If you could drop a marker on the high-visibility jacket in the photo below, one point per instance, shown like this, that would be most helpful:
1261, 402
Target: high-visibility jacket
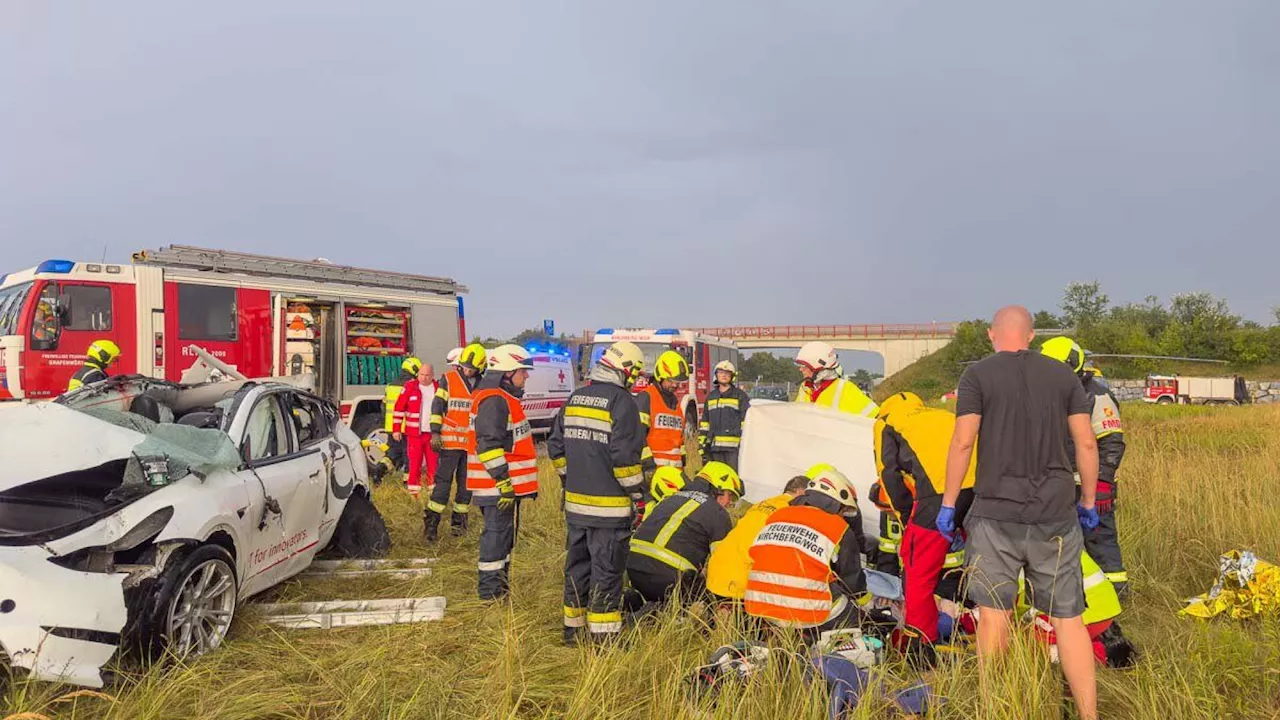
791, 567
682, 529
503, 445
409, 407
721, 426
664, 445
1102, 603
730, 561
595, 445
88, 374
391, 416
1107, 428
451, 410
911, 455
840, 394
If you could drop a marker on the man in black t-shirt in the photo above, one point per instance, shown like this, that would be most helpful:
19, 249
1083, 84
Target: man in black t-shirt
1025, 406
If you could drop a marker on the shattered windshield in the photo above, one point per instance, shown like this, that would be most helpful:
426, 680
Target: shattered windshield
11, 300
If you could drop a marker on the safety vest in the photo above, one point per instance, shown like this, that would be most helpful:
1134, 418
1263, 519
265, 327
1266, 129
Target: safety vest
790, 578
455, 427
730, 562
840, 394
391, 418
666, 431
657, 547
521, 459
88, 374
1100, 598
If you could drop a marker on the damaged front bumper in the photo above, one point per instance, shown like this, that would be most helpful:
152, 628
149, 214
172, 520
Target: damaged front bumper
59, 624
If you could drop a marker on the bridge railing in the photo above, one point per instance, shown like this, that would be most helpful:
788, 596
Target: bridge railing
831, 332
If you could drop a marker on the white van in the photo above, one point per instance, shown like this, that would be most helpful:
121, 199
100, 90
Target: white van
549, 386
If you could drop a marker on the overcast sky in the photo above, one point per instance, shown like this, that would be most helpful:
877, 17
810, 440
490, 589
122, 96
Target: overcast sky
663, 163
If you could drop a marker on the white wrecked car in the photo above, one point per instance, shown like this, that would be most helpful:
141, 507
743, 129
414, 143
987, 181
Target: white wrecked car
140, 513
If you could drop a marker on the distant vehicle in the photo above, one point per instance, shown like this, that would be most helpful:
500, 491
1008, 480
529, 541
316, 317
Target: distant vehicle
1182, 390
549, 385
702, 352
769, 393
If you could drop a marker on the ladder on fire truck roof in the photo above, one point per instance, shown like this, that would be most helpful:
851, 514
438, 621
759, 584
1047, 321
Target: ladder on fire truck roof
194, 258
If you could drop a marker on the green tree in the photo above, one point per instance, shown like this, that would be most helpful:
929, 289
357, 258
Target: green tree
864, 377
1045, 320
767, 367
1084, 304
1275, 313
1201, 325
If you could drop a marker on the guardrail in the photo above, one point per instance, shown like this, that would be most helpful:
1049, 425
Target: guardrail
831, 332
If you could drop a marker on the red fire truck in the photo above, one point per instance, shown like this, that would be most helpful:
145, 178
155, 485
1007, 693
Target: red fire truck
702, 352
265, 316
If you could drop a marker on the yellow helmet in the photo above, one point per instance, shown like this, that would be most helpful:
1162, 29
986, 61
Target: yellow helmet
666, 481
474, 357
834, 484
626, 358
1064, 349
671, 366
899, 402
104, 352
411, 365
722, 477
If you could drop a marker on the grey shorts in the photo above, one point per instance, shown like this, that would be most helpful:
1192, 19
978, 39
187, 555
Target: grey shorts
1049, 557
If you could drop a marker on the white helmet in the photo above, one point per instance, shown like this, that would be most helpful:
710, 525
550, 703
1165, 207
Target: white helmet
727, 367
626, 358
834, 484
818, 356
508, 358
452, 357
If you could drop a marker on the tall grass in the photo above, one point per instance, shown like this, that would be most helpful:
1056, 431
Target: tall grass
1196, 482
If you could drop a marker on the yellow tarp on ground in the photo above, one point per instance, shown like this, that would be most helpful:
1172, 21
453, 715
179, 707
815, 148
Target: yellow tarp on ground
1247, 587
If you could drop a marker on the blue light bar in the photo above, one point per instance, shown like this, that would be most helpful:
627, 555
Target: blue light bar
55, 266
666, 331
605, 331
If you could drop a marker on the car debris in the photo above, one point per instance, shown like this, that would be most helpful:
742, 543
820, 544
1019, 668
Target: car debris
351, 613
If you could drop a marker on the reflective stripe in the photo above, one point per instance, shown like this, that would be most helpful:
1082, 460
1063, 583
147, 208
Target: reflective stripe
586, 412
609, 622
597, 510
598, 500
673, 523
888, 546
495, 463
646, 453
644, 419
626, 471
870, 410
722, 403
661, 554
488, 455
437, 420
1094, 580
727, 441
667, 462
435, 507
1117, 577
588, 423
789, 581
575, 617
559, 462
786, 602
495, 565
954, 559
519, 465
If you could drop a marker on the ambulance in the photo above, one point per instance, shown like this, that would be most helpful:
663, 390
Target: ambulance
550, 384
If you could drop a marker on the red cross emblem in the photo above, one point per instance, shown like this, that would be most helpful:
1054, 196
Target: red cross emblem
561, 376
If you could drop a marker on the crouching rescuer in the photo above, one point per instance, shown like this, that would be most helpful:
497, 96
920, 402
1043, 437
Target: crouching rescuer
503, 470
451, 435
595, 445
670, 548
806, 566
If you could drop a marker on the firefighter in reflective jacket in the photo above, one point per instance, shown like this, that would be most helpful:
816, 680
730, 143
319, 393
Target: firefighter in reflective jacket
806, 567
1102, 542
595, 445
101, 355
394, 456
911, 445
502, 469
824, 384
670, 548
720, 432
661, 416
451, 436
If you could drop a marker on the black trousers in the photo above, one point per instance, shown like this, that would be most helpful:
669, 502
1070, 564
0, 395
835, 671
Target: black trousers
397, 454
497, 539
657, 582
726, 456
451, 470
594, 563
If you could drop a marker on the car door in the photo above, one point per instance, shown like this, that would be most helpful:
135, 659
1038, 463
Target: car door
313, 422
282, 479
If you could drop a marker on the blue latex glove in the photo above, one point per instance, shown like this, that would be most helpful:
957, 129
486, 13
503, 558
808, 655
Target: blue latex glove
1088, 517
946, 522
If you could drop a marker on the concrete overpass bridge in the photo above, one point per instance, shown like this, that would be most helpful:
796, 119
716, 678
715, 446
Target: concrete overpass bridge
899, 345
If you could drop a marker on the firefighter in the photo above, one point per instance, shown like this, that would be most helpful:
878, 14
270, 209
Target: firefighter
503, 469
412, 408
729, 562
394, 456
666, 481
824, 383
101, 355
595, 445
806, 566
911, 446
450, 438
44, 327
670, 548
720, 432
660, 414
1102, 542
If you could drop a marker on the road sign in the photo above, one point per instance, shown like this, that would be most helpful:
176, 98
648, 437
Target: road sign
549, 327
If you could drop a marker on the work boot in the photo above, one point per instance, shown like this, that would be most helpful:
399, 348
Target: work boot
458, 524
573, 636
430, 524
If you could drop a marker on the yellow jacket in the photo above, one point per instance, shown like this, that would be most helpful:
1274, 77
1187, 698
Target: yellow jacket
729, 563
842, 395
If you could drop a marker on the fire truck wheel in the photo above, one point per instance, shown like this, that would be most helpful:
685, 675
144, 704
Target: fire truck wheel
1166, 400
361, 531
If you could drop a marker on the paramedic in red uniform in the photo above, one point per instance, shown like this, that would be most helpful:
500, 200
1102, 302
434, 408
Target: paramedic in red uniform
413, 409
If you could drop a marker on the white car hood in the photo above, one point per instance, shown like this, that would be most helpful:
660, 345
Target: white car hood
41, 440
